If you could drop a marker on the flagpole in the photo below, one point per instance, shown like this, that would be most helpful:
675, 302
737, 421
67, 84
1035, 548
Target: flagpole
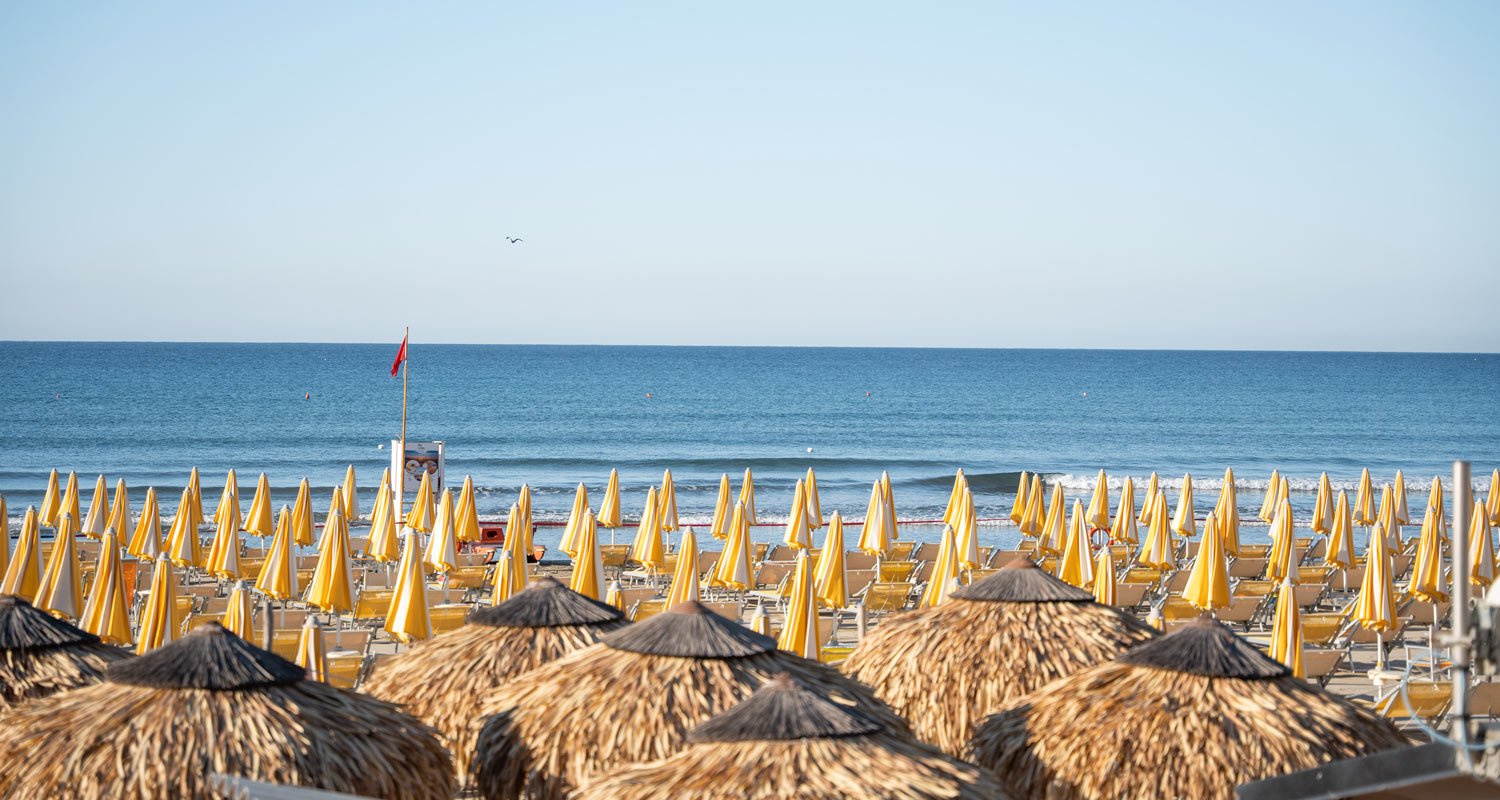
401, 480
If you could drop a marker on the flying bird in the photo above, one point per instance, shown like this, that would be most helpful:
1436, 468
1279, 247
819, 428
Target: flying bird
512, 239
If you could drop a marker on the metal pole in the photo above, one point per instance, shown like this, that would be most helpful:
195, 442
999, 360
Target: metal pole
1458, 541
266, 624
401, 457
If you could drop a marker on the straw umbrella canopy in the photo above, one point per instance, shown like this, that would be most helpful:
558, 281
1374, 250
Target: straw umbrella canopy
1427, 573
1341, 539
723, 508
832, 579
788, 740
666, 502
1208, 584
312, 651
278, 575
106, 613
466, 516
1227, 511
630, 698
1481, 549
1364, 511
588, 562
647, 548
1158, 550
95, 522
441, 555
1097, 516
1034, 519
163, 723
259, 521
237, 614
1192, 714
609, 510
814, 504
1322, 515
747, 496
1282, 562
423, 507
1124, 531
158, 617
351, 495
1286, 632
439, 681
1104, 578
798, 531
1054, 530
61, 590
407, 618
999, 638
1153, 488
733, 567
41, 655
1077, 566
145, 542
23, 575
1018, 508
331, 587
569, 543
685, 576
185, 548
302, 515
873, 538
51, 502
799, 630
383, 544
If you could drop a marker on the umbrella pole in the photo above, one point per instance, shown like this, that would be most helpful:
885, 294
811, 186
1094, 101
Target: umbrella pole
1379, 650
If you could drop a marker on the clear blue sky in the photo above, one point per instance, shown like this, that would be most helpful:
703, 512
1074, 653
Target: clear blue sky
1271, 175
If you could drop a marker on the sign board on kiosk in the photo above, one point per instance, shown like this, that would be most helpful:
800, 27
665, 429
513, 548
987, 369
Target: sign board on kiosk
407, 468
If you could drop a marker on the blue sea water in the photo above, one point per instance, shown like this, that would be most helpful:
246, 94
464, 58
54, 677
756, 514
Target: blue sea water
554, 416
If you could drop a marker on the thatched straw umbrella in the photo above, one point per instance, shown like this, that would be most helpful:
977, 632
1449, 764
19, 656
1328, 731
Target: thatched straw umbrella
632, 697
41, 655
210, 702
946, 667
789, 741
1187, 715
440, 680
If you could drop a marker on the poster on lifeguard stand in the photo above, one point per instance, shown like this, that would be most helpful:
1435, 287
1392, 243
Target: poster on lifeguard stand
419, 458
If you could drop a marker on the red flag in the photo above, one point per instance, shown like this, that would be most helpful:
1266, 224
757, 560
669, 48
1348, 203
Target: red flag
400, 357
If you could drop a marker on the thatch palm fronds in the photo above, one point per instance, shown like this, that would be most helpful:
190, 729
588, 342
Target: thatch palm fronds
441, 680
946, 667
632, 698
163, 723
41, 655
1192, 714
789, 741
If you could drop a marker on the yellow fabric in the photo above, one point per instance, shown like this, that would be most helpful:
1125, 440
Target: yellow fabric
1427, 573
145, 542
259, 520
523, 504
1208, 584
71, 501
466, 516
185, 548
685, 577
302, 516
1270, 504
1035, 519
1054, 529
106, 614
407, 618
950, 511
278, 575
5, 539
888, 497
1282, 562
383, 544
441, 555
747, 497
1435, 504
945, 571
1184, 521
237, 614
1227, 511
588, 563
1018, 508
224, 552
61, 590
158, 615
1481, 549
312, 653
51, 502
798, 532
719, 527
609, 510
1364, 510
733, 568
332, 584
872, 537
229, 501
1322, 515
1077, 566
799, 634
1286, 633
760, 622
647, 547
504, 584
1098, 513
814, 504
1386, 516
23, 575
195, 485
1341, 540
833, 587
570, 540
1158, 550
966, 532
351, 496
119, 510
1402, 515
335, 506
666, 503
95, 522
1104, 575
514, 544
423, 508
1124, 531
1153, 488
1492, 501
1374, 607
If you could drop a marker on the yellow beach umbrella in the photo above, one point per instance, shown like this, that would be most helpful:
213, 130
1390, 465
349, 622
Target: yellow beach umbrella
966, 533
1035, 519
685, 576
1158, 550
814, 503
97, 520
145, 542
798, 533
588, 562
609, 510
61, 590
1374, 608
1286, 633
1402, 515
1282, 563
23, 575
237, 612
1077, 565
383, 545
441, 555
1153, 488
1427, 572
183, 547
466, 517
1322, 517
889, 498
229, 500
1481, 549
1104, 577
423, 510
159, 615
71, 501
1018, 508
873, 537
944, 572
1124, 530
719, 527
760, 622
1097, 516
1227, 511
259, 521
747, 497
647, 548
1386, 516
523, 504
224, 552
332, 586
1208, 584
1054, 530
1341, 540
106, 613
1185, 522
1435, 505
1364, 501
503, 586
800, 633
1492, 501
302, 516
278, 575
407, 618
666, 502
613, 596
51, 502
1272, 502
514, 545
950, 512
335, 506
832, 579
351, 496
733, 568
312, 653
570, 540
195, 485
119, 510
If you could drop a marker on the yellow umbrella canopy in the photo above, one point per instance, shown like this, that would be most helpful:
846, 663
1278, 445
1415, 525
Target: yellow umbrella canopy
441, 555
1054, 530
383, 544
788, 740
760, 622
278, 575
966, 533
950, 512
614, 596
1364, 511
569, 543
1341, 540
1227, 512
999, 638
351, 496
1185, 522
51, 502
439, 681
61, 590
814, 504
119, 509
145, 542
799, 633
666, 502
1104, 578
259, 521
888, 497
41, 655
798, 532
407, 617
1208, 584
514, 544
873, 536
944, 573
423, 508
1286, 632
1077, 566
1322, 516
1491, 502
332, 586
588, 561
1386, 516
1398, 498
647, 548
23, 575
1481, 549
237, 613
302, 516
1427, 573
609, 510
158, 616
106, 613
312, 652
1282, 562
719, 527
503, 583
628, 699
523, 503
1192, 714
1435, 505
1035, 519
335, 506
229, 501
71, 501
832, 580
184, 548
466, 517
747, 496
1270, 504
1374, 607
195, 484
1018, 508
211, 703
1124, 531
733, 567
96, 521
1098, 513
685, 576
224, 553
1158, 550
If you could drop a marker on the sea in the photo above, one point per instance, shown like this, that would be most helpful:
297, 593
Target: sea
552, 417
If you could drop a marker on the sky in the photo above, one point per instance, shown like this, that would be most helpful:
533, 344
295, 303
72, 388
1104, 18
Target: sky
1275, 175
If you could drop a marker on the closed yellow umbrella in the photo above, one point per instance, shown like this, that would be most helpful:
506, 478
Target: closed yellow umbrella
441, 555
872, 537
71, 502
51, 502
332, 585
119, 510
195, 485
570, 537
503, 586
1104, 577
259, 521
1481, 549
814, 503
1185, 522
685, 576
523, 504
723, 510
1018, 508
185, 549
351, 496
466, 517
889, 498
1153, 488
798, 533
1159, 550
1374, 608
1322, 516
614, 596
1271, 503
302, 516
733, 568
1054, 530
1097, 516
747, 497
423, 510
666, 503
1035, 519
23, 575
237, 612
1286, 633
1208, 584
1402, 515
1364, 501
647, 548
1492, 501
944, 573
278, 575
61, 591
1282, 563
1124, 531
966, 533
335, 506
312, 653
229, 500
955, 497
224, 552
1227, 511
407, 618
383, 544
609, 510
1341, 540
97, 520
1435, 505
159, 615
1077, 566
1386, 516
1427, 573
514, 544
145, 542
588, 562
106, 614
833, 585
799, 633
